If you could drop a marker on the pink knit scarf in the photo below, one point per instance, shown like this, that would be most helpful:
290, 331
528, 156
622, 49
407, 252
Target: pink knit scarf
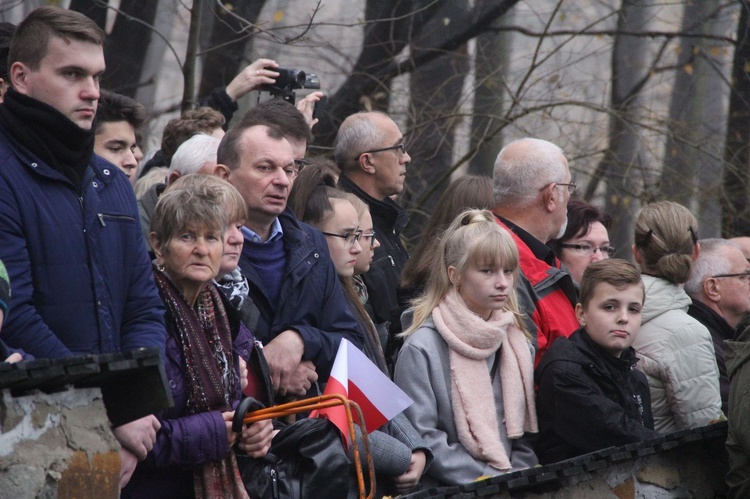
471, 341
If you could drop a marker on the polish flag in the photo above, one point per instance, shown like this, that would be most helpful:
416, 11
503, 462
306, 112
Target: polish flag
356, 377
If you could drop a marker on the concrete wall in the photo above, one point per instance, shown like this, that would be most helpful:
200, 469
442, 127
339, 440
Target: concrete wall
57, 445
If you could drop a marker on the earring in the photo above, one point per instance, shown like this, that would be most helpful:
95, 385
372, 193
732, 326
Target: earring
160, 267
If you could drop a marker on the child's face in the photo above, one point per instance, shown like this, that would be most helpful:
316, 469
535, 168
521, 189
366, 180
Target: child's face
612, 317
483, 289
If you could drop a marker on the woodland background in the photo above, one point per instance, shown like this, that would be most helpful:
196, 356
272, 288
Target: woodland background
649, 99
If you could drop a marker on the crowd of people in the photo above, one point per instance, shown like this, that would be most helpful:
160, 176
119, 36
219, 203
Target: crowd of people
519, 337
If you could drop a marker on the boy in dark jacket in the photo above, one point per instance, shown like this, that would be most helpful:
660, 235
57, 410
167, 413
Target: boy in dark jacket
590, 394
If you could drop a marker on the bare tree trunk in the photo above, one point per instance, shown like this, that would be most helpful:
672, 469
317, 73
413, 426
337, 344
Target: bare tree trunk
693, 159
623, 162
386, 35
152, 57
125, 44
376, 66
435, 95
734, 202
224, 56
188, 67
493, 51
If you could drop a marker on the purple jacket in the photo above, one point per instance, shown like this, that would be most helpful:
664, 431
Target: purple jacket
184, 442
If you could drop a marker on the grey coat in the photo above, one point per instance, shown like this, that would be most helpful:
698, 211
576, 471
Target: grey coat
423, 372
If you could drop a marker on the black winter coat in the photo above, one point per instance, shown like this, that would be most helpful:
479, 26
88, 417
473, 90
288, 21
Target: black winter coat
388, 219
589, 400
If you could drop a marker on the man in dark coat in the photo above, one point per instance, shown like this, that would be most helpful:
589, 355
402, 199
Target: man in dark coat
292, 280
719, 285
369, 149
590, 394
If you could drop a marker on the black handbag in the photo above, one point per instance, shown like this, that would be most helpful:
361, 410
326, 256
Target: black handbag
306, 460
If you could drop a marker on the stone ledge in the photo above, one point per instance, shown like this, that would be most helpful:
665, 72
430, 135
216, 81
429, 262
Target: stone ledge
631, 463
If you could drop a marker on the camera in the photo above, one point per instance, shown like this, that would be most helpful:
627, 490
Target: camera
288, 81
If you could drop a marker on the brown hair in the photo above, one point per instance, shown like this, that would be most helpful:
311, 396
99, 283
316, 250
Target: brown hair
469, 191
613, 271
311, 194
279, 114
31, 40
203, 200
178, 130
230, 151
665, 236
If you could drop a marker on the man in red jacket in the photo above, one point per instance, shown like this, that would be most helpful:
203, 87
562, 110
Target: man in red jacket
532, 185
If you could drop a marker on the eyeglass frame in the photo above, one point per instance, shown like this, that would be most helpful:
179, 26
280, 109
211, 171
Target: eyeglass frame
572, 186
371, 235
610, 250
400, 146
738, 275
357, 235
301, 163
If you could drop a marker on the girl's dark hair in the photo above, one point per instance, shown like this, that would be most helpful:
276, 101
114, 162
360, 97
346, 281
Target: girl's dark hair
311, 194
467, 192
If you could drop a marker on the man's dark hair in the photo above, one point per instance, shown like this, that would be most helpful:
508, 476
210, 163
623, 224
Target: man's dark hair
31, 39
230, 148
178, 130
116, 107
6, 36
279, 114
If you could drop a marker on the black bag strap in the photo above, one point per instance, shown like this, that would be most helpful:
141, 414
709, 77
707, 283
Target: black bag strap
259, 365
247, 404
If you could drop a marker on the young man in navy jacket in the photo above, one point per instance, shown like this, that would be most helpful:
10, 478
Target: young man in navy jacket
69, 233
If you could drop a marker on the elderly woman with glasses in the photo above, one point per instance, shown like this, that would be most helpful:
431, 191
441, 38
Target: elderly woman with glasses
192, 456
586, 238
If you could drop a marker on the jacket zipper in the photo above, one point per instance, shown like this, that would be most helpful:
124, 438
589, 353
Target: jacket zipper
102, 216
274, 483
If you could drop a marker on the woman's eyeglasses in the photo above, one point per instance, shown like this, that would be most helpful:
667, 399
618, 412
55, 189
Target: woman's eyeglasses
371, 236
349, 237
588, 249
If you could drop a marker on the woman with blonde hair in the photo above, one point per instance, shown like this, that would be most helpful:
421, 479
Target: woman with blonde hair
675, 350
466, 349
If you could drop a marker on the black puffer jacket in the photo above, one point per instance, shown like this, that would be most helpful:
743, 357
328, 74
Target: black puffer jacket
589, 400
388, 219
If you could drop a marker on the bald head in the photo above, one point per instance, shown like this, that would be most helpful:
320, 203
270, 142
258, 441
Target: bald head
744, 244
525, 166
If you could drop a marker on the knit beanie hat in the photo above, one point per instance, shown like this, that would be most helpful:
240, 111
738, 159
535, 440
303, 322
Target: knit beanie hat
4, 290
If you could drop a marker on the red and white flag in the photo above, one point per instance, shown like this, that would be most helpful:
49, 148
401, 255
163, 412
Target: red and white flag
356, 377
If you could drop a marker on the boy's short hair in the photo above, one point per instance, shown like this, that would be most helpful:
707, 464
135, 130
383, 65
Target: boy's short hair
613, 271
115, 107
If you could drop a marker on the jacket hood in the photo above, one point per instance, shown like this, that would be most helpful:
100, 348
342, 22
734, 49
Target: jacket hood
663, 296
737, 352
